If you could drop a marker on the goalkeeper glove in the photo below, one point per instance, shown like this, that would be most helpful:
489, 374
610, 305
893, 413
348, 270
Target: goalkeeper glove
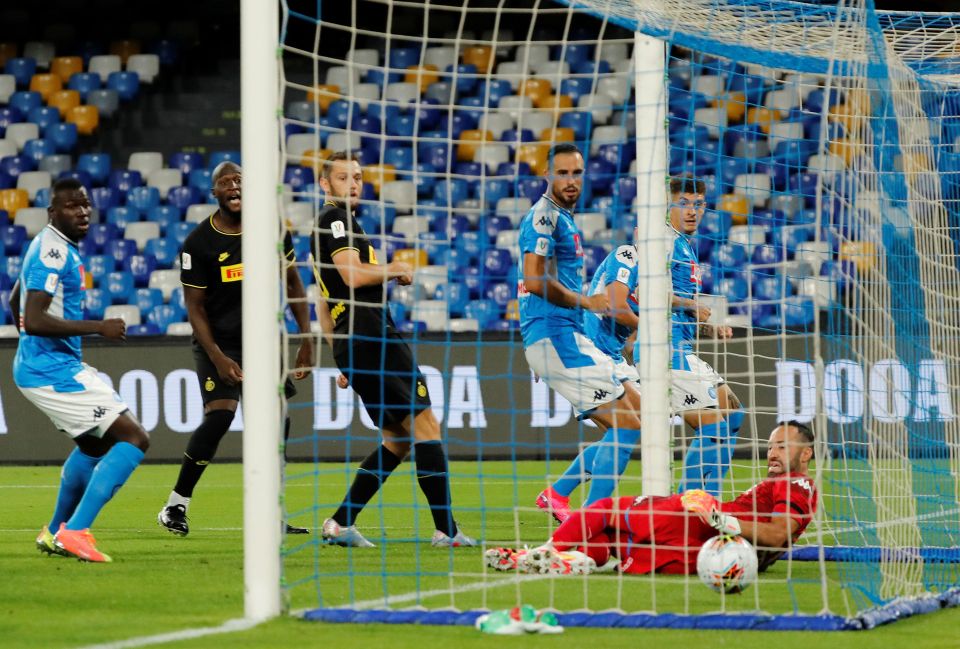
704, 505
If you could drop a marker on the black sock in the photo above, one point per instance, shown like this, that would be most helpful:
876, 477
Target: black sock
435, 484
373, 472
201, 448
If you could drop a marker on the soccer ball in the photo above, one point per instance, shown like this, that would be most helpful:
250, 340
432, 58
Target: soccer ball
727, 564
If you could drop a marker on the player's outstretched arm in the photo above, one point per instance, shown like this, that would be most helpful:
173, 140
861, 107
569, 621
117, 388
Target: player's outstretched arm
227, 368
298, 304
539, 283
38, 321
356, 274
773, 535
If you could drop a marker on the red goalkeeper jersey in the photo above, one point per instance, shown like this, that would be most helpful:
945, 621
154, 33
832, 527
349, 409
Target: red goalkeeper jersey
656, 533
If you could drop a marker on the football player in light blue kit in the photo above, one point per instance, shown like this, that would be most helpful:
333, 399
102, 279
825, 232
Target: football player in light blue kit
48, 305
551, 324
699, 394
615, 277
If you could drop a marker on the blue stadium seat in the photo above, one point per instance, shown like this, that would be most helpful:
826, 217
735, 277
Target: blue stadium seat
84, 83
580, 121
44, 116
792, 236
715, 225
765, 255
456, 225
753, 86
842, 272
42, 197
593, 256
99, 266
474, 280
503, 325
95, 164
167, 51
370, 225
771, 288
729, 256
298, 177
434, 244
222, 156
101, 234
186, 161
412, 328
533, 187
163, 315
497, 89
200, 180
143, 329
496, 262
455, 260
13, 265
183, 197
103, 198
573, 52
121, 215
619, 156
601, 175
5, 316
483, 311
143, 199
120, 249
591, 68
123, 180
500, 293
81, 177
63, 136
493, 190
165, 215
145, 299
425, 179
514, 169
398, 312
684, 103
799, 312
37, 150
25, 101
460, 122
762, 316
450, 192
140, 267
401, 157
383, 212
403, 57
22, 69
494, 225
126, 84
706, 278
456, 295
9, 115
95, 302
15, 165
176, 299
87, 248
515, 137
119, 287
574, 87
164, 250
403, 125
13, 237
733, 286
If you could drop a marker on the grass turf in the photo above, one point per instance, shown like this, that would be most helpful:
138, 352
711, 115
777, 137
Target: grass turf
160, 583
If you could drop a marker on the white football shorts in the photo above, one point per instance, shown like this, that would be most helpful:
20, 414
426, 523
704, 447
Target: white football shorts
695, 386
573, 366
91, 410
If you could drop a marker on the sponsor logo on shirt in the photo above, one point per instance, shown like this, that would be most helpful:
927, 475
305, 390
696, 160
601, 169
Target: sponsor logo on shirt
803, 483
99, 412
232, 273
690, 400
599, 394
337, 311
223, 255
53, 253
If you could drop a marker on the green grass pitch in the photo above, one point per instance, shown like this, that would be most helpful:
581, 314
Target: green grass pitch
159, 583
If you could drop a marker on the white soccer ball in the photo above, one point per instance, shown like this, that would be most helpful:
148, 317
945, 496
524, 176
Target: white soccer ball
727, 564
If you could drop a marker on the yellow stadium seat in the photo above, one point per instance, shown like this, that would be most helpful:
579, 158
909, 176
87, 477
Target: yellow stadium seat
12, 200
513, 310
7, 51
469, 143
314, 160
863, 254
324, 95
536, 89
848, 150
87, 118
480, 56
535, 155
735, 103
64, 100
737, 205
415, 258
555, 103
376, 175
66, 66
87, 280
559, 134
422, 75
763, 117
45, 84
125, 49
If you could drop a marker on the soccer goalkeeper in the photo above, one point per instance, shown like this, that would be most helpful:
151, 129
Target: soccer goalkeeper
664, 533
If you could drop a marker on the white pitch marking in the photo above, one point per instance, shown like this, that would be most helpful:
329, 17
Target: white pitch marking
230, 626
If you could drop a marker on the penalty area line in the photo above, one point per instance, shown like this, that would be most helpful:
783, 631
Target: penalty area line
230, 626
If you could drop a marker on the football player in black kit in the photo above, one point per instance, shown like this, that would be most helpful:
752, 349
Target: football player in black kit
375, 360
211, 271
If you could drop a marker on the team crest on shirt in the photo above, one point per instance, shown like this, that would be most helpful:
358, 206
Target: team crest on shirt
209, 385
421, 389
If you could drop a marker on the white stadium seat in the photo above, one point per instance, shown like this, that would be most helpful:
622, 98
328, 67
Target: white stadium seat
431, 312
403, 194
141, 232
513, 208
32, 181
492, 155
199, 212
166, 281
411, 227
165, 180
496, 123
147, 66
129, 313
104, 65
754, 186
715, 119
145, 162
22, 132
748, 236
32, 218
590, 223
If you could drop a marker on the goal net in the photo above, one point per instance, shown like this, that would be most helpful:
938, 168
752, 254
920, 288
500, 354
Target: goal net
828, 139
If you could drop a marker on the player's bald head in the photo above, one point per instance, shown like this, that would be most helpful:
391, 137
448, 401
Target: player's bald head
227, 167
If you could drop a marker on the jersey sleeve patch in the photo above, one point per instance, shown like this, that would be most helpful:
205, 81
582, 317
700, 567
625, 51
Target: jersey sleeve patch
543, 246
53, 253
338, 230
50, 285
623, 276
186, 261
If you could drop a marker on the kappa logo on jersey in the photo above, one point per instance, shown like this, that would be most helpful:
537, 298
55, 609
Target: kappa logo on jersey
232, 273
626, 254
545, 221
53, 253
99, 412
690, 400
338, 230
599, 394
803, 483
223, 255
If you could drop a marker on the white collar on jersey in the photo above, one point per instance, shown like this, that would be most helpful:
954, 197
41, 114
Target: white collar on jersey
62, 235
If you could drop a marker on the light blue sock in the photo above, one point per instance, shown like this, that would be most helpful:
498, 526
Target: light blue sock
701, 466
578, 471
74, 477
734, 421
611, 461
114, 469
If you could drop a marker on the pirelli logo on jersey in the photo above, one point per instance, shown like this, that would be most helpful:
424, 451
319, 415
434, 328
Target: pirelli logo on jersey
337, 311
232, 273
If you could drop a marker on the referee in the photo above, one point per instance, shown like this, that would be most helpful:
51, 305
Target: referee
375, 360
211, 271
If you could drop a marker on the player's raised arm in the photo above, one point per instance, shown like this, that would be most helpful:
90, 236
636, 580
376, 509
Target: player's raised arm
356, 274
538, 282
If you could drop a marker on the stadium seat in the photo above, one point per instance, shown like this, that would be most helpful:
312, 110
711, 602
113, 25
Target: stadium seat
456, 296
64, 100
103, 198
64, 67
24, 101
513, 208
126, 84
86, 119
143, 198
497, 262
13, 166
8, 149
145, 299
799, 312
141, 232
95, 164
21, 133
126, 312
101, 234
415, 258
106, 100
119, 287
95, 302
402, 193
406, 295
13, 266
166, 281
33, 219
34, 180
485, 312
22, 69
104, 65
145, 162
501, 294
59, 165
84, 83
163, 315
99, 266
12, 200
8, 86
186, 162
199, 212
45, 85
146, 66
733, 287
63, 136
164, 180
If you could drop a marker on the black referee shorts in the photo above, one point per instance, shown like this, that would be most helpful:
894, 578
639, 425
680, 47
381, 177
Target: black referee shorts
212, 387
381, 370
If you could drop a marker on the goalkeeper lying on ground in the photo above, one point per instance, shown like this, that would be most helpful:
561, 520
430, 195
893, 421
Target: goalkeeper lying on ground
664, 533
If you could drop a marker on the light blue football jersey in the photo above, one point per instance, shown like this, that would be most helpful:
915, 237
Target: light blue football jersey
53, 265
606, 333
685, 277
548, 230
